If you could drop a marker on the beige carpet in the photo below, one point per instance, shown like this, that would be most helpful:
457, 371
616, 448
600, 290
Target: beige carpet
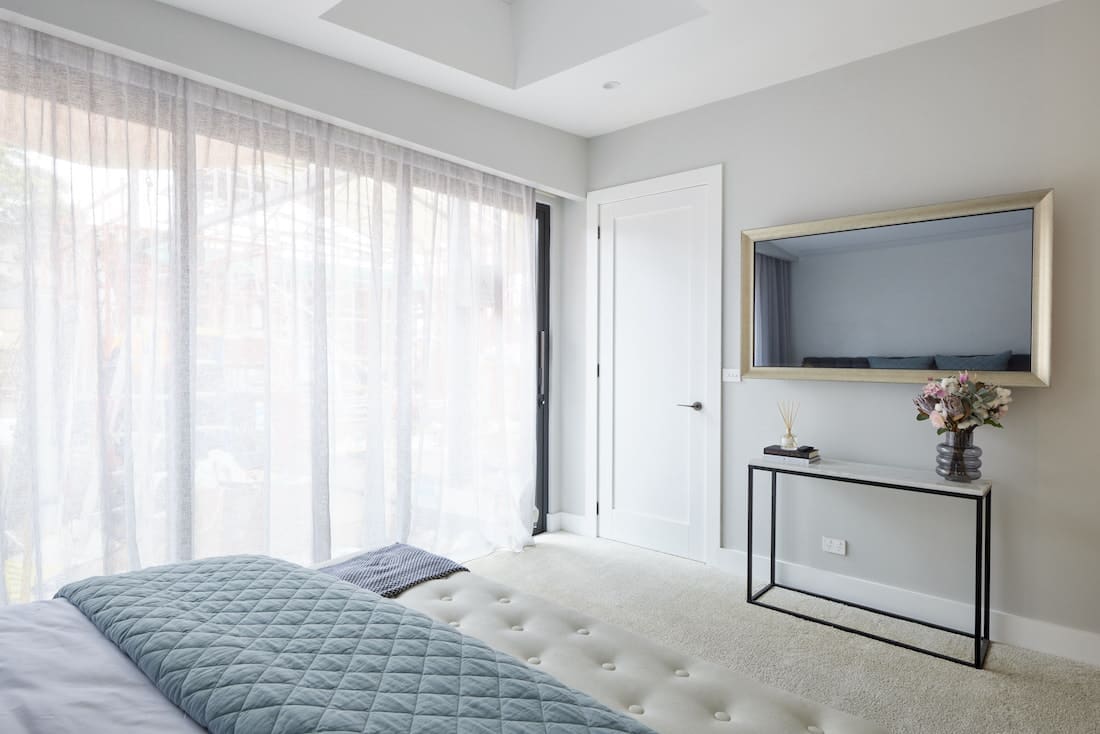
701, 610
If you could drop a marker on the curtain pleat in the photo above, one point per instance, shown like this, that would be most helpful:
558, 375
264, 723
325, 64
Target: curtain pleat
226, 327
773, 312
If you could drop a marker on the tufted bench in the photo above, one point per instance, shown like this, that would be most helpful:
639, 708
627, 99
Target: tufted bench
671, 692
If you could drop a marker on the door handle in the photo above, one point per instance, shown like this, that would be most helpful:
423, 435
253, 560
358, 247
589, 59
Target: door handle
542, 364
694, 406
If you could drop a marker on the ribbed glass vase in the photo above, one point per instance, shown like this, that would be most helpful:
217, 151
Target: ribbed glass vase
957, 458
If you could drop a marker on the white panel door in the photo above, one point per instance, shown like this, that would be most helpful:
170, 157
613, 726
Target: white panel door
652, 370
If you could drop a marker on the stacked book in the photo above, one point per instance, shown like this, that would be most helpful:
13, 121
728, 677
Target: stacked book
801, 455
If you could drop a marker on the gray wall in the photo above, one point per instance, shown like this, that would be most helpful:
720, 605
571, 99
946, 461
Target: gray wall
1011, 106
959, 296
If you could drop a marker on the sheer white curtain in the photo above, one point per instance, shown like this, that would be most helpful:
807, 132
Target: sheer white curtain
228, 328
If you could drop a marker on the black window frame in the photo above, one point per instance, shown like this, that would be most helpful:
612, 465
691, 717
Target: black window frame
542, 368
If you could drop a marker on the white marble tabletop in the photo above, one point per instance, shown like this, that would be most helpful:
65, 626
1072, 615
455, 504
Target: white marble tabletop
916, 478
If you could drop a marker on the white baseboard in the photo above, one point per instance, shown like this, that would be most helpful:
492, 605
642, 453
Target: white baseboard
571, 523
1033, 634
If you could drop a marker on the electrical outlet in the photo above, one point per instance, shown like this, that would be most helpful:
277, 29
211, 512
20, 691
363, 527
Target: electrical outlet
834, 545
731, 375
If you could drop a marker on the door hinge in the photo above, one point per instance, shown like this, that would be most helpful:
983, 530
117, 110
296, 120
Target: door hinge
597, 508
597, 231
597, 369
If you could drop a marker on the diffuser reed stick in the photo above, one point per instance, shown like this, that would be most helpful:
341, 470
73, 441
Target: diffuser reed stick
788, 411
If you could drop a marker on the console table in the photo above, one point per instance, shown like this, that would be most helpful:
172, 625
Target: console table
893, 478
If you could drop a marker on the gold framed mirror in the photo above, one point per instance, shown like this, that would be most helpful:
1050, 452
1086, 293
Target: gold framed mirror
903, 295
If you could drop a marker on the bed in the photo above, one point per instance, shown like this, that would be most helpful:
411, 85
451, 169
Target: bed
75, 664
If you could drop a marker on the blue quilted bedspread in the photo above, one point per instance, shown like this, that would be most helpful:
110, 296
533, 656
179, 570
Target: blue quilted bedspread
249, 644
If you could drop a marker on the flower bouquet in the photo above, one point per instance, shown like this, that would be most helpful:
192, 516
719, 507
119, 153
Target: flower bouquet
956, 405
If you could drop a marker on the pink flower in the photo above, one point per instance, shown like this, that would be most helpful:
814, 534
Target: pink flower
937, 419
934, 389
964, 377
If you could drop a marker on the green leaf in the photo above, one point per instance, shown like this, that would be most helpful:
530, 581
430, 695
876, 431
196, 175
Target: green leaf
941, 431
922, 416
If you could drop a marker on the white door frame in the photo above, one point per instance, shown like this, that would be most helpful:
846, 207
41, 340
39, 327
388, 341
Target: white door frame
709, 177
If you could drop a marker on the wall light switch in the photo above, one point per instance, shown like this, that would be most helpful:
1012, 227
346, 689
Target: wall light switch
731, 375
834, 545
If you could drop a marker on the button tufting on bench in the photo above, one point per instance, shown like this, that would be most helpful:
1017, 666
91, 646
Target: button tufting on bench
454, 623
444, 598
708, 699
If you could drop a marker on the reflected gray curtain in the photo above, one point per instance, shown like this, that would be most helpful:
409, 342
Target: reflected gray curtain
773, 312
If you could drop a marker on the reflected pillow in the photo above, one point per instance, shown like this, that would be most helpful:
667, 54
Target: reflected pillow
988, 362
900, 363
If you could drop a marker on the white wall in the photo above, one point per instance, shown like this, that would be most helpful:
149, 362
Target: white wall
1012, 106
957, 296
569, 359
318, 85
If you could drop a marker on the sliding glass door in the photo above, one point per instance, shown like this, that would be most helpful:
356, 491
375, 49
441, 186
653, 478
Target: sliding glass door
226, 327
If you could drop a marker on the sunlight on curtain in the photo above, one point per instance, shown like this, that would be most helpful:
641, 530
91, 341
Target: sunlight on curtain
228, 328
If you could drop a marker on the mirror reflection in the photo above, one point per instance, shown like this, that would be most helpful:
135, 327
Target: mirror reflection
945, 294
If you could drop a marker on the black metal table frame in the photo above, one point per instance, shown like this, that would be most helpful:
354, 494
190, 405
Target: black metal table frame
983, 506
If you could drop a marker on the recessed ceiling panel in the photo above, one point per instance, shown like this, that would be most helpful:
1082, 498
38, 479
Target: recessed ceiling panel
551, 37
514, 42
474, 36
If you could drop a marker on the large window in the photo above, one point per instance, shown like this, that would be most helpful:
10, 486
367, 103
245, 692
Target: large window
228, 328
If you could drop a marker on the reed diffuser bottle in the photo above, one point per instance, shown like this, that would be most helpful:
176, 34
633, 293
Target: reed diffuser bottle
788, 411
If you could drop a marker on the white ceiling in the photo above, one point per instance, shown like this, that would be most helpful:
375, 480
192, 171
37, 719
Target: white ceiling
552, 65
